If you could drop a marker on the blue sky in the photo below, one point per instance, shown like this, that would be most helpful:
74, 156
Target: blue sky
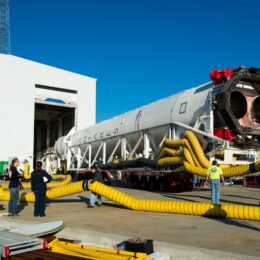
139, 50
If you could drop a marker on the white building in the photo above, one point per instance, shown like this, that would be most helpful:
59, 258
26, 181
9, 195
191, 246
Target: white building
38, 104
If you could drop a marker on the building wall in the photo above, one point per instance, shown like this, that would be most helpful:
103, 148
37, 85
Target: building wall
17, 85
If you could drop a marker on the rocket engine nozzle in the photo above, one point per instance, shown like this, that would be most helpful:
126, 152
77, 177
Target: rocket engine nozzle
239, 102
256, 109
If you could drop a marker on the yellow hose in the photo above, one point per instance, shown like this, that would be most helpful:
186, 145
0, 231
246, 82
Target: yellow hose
227, 172
55, 193
169, 151
185, 143
195, 161
188, 156
27, 185
26, 173
202, 172
169, 161
197, 149
177, 207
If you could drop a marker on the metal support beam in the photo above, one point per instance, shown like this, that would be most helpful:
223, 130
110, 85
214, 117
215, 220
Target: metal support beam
89, 156
79, 158
123, 148
146, 146
104, 152
98, 151
113, 152
137, 145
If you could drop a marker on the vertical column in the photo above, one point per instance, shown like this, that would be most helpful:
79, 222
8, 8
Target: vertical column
79, 157
211, 119
68, 158
104, 152
89, 156
146, 146
123, 148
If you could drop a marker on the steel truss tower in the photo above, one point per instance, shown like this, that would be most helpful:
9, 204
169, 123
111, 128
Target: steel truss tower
5, 45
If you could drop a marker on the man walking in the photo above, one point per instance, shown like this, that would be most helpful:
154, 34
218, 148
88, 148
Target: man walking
214, 173
39, 179
95, 198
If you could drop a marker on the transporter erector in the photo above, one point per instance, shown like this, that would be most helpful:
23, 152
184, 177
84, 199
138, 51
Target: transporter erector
223, 113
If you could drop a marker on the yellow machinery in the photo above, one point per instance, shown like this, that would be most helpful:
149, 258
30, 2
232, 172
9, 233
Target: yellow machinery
91, 252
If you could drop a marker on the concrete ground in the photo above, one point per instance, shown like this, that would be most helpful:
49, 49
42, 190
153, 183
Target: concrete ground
235, 236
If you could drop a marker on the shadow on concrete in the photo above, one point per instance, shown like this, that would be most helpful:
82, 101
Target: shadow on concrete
242, 197
64, 200
113, 205
183, 197
236, 223
21, 206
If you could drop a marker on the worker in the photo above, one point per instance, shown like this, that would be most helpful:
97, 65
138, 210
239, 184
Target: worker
53, 170
95, 198
38, 180
61, 169
14, 187
214, 173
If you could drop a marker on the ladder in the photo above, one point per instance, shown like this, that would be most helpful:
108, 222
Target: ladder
12, 244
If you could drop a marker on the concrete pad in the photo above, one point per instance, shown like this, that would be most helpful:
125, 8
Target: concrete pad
180, 233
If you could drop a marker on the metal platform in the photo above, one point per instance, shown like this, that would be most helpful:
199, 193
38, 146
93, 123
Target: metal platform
12, 244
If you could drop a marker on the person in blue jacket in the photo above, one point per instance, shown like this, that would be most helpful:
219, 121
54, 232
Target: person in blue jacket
38, 180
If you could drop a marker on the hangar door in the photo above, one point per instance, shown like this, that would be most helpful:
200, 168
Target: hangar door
55, 110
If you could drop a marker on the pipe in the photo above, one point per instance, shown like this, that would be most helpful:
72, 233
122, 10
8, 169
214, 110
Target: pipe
26, 173
197, 149
164, 151
227, 172
27, 185
193, 148
177, 207
55, 193
185, 143
169, 161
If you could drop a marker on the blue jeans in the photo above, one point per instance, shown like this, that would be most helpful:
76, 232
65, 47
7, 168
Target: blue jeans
95, 198
13, 202
215, 191
40, 203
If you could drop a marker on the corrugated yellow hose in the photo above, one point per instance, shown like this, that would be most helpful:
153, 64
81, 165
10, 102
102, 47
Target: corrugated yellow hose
170, 161
55, 193
195, 161
27, 185
185, 143
177, 207
197, 149
227, 172
169, 151
26, 173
